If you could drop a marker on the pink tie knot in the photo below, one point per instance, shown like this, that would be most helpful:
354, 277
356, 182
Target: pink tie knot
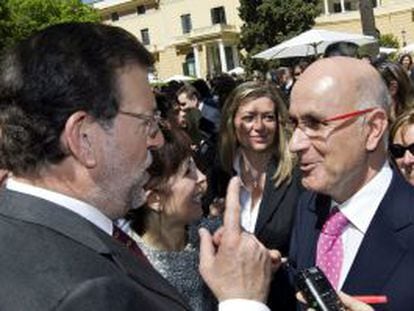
335, 224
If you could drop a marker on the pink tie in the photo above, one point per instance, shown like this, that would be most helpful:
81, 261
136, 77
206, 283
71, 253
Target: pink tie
329, 253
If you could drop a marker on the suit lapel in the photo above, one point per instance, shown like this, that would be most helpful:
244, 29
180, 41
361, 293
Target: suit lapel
383, 246
271, 198
319, 210
142, 273
45, 213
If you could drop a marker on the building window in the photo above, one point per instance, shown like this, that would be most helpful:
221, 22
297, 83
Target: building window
140, 9
218, 15
348, 6
186, 23
114, 16
337, 8
145, 38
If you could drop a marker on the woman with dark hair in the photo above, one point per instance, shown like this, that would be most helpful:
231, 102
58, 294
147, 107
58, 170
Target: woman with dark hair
165, 228
399, 86
406, 62
253, 144
402, 144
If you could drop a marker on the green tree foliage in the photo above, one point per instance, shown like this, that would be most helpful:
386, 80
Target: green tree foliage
269, 22
389, 41
19, 18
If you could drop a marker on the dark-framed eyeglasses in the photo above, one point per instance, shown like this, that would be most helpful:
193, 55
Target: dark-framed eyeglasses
152, 123
398, 151
313, 127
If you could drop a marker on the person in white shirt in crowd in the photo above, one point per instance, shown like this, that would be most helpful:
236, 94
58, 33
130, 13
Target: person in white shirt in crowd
253, 144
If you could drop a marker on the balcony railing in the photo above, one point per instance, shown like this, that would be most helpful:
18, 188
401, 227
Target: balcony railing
205, 33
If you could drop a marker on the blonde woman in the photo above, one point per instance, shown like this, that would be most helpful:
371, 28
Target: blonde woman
253, 143
402, 144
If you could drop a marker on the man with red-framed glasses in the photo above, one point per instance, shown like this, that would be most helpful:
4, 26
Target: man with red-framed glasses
356, 222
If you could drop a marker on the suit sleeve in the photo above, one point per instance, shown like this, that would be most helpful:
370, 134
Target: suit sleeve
106, 294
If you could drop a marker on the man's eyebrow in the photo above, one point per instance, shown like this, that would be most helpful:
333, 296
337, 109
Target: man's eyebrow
308, 116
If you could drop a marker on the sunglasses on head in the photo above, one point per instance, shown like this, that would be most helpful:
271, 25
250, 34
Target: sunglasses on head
398, 151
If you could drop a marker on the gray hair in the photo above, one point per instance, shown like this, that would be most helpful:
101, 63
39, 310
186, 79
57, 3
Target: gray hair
373, 92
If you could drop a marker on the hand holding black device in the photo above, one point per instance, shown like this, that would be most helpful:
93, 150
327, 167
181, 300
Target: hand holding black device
317, 290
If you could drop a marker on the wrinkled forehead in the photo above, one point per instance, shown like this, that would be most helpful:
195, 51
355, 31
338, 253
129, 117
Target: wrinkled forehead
322, 95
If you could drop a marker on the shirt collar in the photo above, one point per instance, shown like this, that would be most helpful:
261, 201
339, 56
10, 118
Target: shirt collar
236, 162
361, 207
83, 209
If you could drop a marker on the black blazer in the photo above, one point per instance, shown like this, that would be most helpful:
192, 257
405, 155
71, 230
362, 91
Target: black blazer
53, 259
384, 263
274, 224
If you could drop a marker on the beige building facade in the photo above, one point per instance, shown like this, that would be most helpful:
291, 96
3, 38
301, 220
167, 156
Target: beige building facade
391, 17
187, 37
200, 37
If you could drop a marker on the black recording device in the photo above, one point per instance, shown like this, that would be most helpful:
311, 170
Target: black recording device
317, 290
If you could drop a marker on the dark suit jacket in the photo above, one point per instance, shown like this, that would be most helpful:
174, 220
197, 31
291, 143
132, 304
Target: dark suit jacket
384, 264
53, 259
274, 224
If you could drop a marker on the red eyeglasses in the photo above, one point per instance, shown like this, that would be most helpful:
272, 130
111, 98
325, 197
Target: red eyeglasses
312, 127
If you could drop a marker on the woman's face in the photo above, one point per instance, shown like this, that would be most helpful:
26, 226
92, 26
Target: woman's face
405, 137
186, 188
406, 62
255, 124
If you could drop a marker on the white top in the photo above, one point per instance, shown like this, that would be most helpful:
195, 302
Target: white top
83, 209
96, 217
248, 214
359, 210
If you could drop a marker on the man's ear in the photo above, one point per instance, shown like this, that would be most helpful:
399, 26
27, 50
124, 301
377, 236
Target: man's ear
154, 201
77, 140
377, 125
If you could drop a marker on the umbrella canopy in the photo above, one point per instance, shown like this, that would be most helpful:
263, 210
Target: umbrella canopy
312, 42
237, 71
178, 78
387, 50
408, 48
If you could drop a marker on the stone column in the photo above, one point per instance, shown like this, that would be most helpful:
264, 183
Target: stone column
196, 61
222, 56
326, 6
342, 6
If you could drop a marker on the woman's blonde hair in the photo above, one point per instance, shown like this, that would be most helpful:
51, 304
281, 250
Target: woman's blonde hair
228, 143
406, 118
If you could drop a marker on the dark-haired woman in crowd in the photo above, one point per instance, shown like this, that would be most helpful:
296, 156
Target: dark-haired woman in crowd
406, 62
165, 228
402, 144
253, 144
399, 86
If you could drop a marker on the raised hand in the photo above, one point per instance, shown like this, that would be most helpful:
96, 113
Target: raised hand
235, 264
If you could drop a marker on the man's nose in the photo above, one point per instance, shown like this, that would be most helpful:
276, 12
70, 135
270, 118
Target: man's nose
299, 141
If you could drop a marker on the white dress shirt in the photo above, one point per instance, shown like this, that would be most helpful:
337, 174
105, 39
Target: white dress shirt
248, 214
96, 217
359, 210
83, 209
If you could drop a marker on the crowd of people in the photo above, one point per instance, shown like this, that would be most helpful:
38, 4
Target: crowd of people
195, 196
